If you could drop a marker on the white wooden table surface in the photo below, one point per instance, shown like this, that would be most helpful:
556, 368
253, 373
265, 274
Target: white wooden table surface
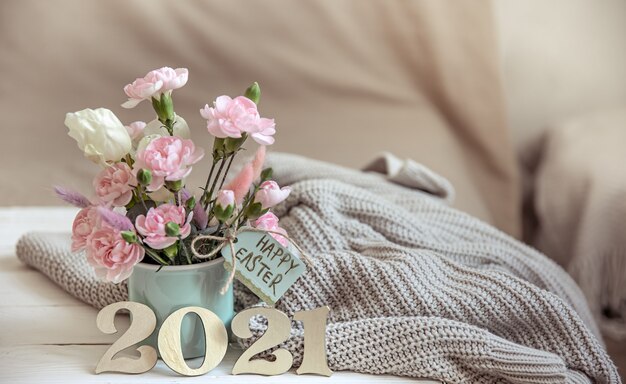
48, 336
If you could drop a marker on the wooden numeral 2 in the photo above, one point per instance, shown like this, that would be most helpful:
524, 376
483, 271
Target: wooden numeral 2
278, 330
143, 323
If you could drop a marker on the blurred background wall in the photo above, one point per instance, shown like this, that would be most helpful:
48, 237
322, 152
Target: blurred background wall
465, 89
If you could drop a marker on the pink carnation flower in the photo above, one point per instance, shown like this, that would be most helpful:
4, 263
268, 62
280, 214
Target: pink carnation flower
111, 256
232, 117
153, 84
87, 221
269, 222
115, 184
135, 129
270, 194
152, 225
168, 158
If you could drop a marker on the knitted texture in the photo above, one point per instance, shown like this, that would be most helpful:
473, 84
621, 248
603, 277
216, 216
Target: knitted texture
415, 287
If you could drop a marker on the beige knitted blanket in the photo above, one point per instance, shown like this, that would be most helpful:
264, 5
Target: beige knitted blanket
416, 288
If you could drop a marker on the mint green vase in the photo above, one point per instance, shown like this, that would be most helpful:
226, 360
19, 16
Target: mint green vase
174, 287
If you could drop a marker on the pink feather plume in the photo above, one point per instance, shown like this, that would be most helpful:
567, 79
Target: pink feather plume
115, 220
72, 197
240, 185
257, 162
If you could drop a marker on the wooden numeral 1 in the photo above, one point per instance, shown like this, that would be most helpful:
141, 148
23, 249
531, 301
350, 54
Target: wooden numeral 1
142, 324
314, 359
215, 337
278, 330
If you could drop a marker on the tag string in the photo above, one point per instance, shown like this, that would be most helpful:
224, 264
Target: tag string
229, 240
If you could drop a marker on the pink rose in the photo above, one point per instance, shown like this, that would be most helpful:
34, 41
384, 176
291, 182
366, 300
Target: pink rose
135, 129
270, 194
111, 256
87, 221
115, 184
152, 225
168, 158
153, 84
232, 117
225, 198
269, 222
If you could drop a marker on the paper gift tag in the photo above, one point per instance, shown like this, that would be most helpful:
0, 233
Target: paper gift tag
263, 265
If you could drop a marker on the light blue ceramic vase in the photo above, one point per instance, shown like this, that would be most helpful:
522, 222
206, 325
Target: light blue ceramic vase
175, 287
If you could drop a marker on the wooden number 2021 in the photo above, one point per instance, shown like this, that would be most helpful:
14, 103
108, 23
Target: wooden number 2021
143, 323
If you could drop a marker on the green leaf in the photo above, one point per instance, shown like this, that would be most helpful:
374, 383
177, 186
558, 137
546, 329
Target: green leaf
266, 174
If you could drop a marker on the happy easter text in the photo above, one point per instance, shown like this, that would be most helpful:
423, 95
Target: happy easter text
265, 260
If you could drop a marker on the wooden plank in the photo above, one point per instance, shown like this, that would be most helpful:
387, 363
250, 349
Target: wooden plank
26, 287
15, 221
53, 325
76, 363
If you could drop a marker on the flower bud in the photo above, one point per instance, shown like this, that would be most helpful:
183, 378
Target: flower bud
190, 203
224, 198
171, 251
172, 229
144, 176
255, 210
253, 93
129, 236
224, 205
164, 107
270, 194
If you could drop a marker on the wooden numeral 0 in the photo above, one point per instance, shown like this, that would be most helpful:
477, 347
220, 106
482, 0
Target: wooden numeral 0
142, 324
278, 330
314, 359
215, 337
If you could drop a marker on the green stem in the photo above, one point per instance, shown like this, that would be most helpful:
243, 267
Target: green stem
182, 245
231, 157
155, 256
217, 176
205, 197
140, 195
230, 162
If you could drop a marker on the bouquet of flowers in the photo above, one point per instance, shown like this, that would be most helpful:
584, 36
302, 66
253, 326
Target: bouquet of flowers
141, 205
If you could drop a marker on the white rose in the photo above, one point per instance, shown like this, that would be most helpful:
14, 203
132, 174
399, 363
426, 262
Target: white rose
99, 134
143, 143
155, 127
